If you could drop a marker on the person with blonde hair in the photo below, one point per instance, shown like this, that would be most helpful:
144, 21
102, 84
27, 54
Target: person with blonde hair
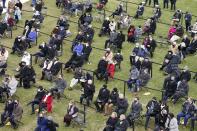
72, 112
111, 122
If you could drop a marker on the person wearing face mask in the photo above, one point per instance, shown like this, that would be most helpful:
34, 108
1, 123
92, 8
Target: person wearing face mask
167, 59
136, 108
161, 117
16, 114
181, 91
112, 101
86, 52
46, 103
9, 105
37, 99
152, 110
72, 113
187, 112
41, 122
185, 74
169, 86
102, 98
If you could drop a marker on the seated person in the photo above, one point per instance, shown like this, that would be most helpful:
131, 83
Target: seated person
136, 108
147, 26
140, 10
76, 58
118, 58
152, 110
56, 67
26, 58
42, 53
88, 92
46, 103
110, 70
88, 18
46, 68
16, 115
124, 22
19, 45
78, 75
3, 60
138, 32
37, 99
72, 113
112, 101
143, 79
38, 17
157, 12
134, 75
121, 105
167, 59
177, 15
32, 36
105, 27
131, 34
8, 109
122, 124
3, 28
86, 52
9, 86
111, 122
187, 112
192, 47
112, 39
169, 86
26, 75
101, 69
41, 122
63, 22
102, 98
181, 91
118, 10
59, 86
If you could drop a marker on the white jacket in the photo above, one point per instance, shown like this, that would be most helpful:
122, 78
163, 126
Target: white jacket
26, 58
173, 126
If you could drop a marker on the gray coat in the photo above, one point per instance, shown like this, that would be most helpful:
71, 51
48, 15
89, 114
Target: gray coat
173, 125
17, 112
60, 84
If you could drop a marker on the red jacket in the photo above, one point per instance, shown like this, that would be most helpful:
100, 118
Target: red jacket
48, 102
111, 70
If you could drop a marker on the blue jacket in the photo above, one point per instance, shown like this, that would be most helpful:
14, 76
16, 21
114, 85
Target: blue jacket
78, 49
32, 36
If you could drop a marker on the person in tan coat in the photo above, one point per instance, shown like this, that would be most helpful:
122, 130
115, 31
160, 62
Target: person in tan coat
16, 114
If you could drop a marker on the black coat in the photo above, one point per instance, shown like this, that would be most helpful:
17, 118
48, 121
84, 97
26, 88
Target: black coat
155, 109
89, 90
102, 66
103, 95
185, 75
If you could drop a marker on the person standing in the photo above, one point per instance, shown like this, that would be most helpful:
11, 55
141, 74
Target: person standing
188, 19
173, 4
165, 4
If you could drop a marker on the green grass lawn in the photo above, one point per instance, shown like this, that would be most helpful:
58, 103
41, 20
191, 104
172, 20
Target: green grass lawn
96, 121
